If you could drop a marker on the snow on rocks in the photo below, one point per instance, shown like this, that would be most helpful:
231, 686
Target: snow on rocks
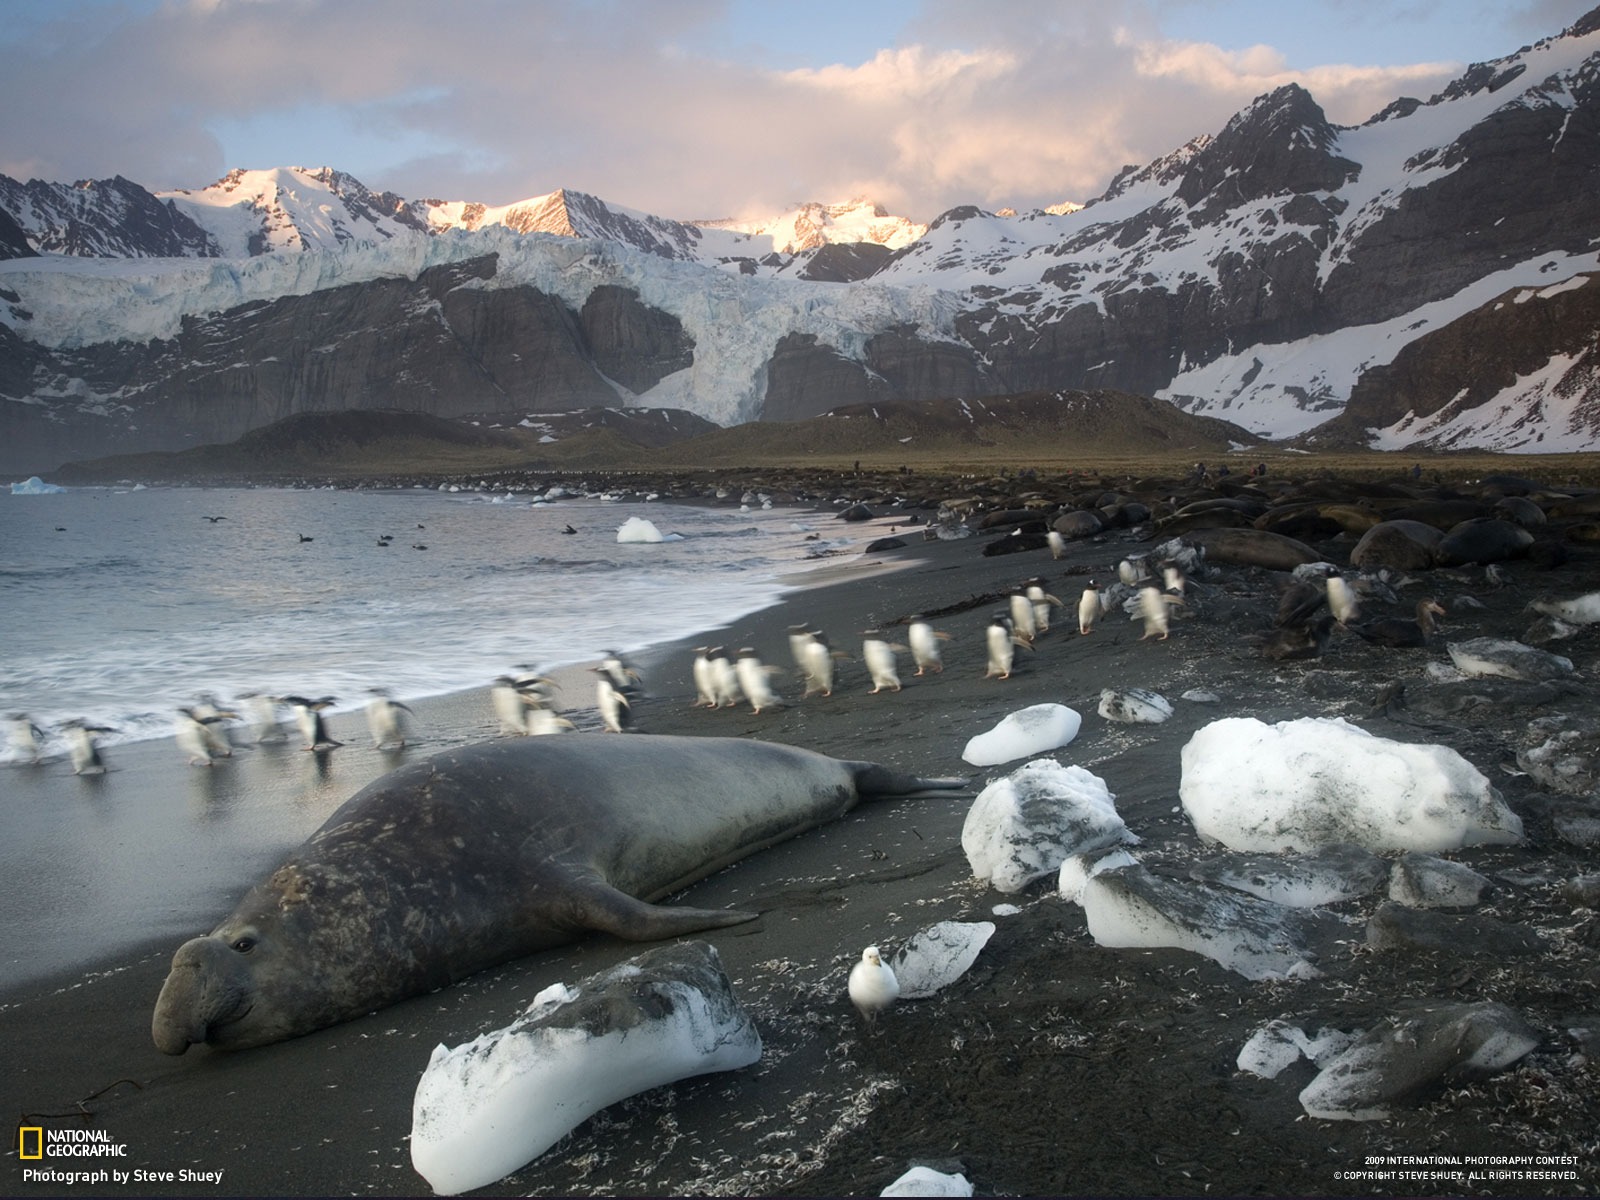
1327, 876
1497, 656
939, 955
1424, 881
1411, 1055
1300, 785
1023, 826
1278, 1045
1026, 732
1134, 706
1130, 907
484, 1109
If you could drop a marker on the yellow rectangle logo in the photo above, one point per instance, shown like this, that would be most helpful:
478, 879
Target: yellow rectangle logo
38, 1141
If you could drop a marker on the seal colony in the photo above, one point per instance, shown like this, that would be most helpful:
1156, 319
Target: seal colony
479, 855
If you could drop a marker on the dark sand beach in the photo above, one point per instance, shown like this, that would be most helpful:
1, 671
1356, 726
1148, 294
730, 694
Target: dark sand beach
1053, 1067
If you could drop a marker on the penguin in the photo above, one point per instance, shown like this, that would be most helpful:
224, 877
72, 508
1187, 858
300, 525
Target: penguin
308, 714
81, 745
873, 986
1002, 641
819, 660
1041, 601
1154, 605
705, 686
25, 739
623, 676
1342, 601
753, 676
1173, 579
724, 678
879, 657
1022, 623
1058, 544
263, 710
569, 530
925, 639
1089, 608
304, 539
509, 709
384, 720
542, 722
1133, 571
197, 739
800, 637
210, 715
615, 711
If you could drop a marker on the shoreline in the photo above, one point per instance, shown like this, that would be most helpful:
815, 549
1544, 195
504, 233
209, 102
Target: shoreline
1131, 1051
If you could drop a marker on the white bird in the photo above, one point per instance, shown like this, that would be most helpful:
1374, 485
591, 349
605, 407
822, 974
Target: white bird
1342, 602
384, 719
1022, 624
210, 715
1058, 544
508, 706
800, 636
613, 705
754, 680
81, 746
542, 722
1041, 601
264, 725
1173, 578
25, 739
1001, 641
818, 667
308, 714
705, 684
1154, 605
1133, 571
623, 675
1089, 608
724, 678
925, 639
878, 654
197, 739
873, 986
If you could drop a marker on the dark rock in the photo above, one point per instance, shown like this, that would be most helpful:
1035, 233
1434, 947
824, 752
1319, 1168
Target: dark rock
1396, 927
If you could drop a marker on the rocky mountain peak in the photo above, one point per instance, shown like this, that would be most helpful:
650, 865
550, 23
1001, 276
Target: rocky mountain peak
1280, 142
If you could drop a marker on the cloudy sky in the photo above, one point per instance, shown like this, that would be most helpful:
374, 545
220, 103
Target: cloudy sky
701, 108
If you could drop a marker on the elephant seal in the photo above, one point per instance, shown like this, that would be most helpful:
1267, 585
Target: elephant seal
489, 852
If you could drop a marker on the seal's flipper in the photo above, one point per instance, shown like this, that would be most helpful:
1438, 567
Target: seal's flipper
874, 779
603, 908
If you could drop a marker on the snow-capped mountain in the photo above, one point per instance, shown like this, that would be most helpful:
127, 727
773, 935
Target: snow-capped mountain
810, 226
1293, 276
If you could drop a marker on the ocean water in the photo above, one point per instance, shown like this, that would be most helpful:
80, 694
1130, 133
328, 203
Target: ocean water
119, 605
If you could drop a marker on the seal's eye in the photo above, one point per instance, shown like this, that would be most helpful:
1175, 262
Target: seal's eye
244, 945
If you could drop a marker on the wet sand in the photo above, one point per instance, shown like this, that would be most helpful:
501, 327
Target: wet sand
1054, 1067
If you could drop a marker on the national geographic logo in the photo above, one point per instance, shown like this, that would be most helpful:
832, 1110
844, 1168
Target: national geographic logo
34, 1143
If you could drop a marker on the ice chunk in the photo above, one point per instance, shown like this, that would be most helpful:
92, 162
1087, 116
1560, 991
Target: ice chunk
939, 955
1497, 656
1423, 881
1134, 706
1076, 871
1023, 826
1337, 873
34, 486
1300, 785
1408, 1056
925, 1181
1278, 1045
639, 530
1025, 732
1130, 907
485, 1109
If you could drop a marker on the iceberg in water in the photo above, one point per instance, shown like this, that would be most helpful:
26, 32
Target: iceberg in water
637, 529
34, 486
